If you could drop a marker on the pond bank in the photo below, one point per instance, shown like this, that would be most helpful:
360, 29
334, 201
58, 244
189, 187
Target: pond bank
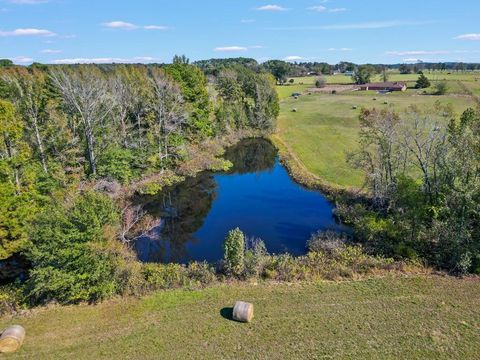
255, 194
298, 171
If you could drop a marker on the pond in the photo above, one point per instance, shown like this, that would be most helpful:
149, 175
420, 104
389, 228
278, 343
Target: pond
257, 195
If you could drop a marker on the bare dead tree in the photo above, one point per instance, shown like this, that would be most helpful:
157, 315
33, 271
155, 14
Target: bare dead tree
381, 155
131, 216
424, 136
123, 97
169, 110
86, 91
135, 223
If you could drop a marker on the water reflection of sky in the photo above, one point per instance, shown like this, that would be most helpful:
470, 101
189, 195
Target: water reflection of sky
265, 203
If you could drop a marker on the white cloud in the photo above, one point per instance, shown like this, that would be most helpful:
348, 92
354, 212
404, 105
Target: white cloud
467, 51
105, 60
120, 25
123, 25
22, 60
337, 10
417, 52
293, 58
230, 49
474, 37
271, 8
50, 51
318, 8
340, 49
27, 32
321, 8
155, 27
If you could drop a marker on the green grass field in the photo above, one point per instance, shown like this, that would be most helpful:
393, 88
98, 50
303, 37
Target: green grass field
383, 318
471, 79
325, 127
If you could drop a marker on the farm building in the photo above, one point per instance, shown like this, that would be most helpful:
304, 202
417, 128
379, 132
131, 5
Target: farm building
385, 86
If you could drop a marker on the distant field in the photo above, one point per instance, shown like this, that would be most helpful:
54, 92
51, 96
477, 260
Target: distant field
301, 84
325, 127
471, 79
385, 318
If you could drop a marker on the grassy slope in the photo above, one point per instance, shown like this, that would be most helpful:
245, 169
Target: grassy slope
325, 127
397, 318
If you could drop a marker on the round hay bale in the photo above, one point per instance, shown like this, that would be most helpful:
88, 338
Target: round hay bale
243, 311
12, 338
354, 107
294, 110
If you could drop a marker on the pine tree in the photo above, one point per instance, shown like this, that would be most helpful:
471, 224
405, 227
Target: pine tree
422, 82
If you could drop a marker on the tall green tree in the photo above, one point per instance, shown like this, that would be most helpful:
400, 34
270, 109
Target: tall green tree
363, 74
234, 252
422, 82
279, 69
16, 196
30, 93
193, 85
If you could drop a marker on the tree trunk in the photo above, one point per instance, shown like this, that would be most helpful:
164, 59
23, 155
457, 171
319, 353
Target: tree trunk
90, 146
10, 152
41, 151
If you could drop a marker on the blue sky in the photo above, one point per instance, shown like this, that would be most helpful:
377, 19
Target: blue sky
56, 31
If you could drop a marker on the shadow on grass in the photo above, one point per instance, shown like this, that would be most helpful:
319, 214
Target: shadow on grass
227, 313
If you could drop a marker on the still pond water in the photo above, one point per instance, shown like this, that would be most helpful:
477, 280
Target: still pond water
257, 195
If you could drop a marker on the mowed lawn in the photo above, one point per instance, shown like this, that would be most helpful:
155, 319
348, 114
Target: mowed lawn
325, 127
383, 318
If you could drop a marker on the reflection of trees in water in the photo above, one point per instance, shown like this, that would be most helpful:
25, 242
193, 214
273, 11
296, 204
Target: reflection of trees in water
183, 210
251, 155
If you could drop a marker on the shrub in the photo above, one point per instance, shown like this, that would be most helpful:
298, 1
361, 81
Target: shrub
11, 298
326, 241
256, 256
441, 88
165, 276
72, 253
285, 268
172, 276
234, 252
320, 82
116, 163
201, 273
